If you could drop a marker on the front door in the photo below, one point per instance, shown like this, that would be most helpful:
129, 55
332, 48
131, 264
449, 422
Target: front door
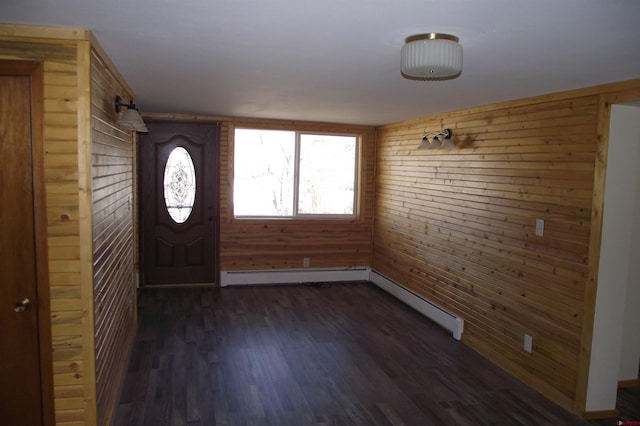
178, 204
21, 400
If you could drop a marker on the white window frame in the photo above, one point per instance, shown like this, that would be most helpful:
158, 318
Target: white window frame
296, 179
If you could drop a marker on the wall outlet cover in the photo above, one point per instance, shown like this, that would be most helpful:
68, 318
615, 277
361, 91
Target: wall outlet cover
528, 343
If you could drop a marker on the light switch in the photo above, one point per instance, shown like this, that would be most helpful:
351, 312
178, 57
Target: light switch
539, 227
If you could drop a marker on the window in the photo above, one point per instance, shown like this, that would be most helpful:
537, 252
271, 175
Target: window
291, 174
179, 185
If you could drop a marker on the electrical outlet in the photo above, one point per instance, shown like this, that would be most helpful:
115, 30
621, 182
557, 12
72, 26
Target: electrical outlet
306, 262
539, 227
528, 343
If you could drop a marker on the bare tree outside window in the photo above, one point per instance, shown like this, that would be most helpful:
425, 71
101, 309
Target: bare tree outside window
266, 177
327, 174
264, 167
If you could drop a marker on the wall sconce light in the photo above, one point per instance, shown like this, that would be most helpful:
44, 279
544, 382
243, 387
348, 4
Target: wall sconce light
442, 140
130, 118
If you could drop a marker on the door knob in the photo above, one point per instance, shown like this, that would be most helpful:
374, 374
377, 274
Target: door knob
21, 305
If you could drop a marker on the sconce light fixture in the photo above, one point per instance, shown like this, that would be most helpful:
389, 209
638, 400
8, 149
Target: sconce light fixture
431, 56
442, 140
130, 118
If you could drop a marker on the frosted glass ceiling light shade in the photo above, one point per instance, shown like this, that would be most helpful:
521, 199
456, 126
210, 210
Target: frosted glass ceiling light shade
431, 57
130, 118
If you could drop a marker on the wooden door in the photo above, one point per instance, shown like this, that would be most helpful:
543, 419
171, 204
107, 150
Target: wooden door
25, 387
180, 250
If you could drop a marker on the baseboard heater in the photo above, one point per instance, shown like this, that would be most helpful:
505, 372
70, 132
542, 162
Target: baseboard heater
440, 316
293, 276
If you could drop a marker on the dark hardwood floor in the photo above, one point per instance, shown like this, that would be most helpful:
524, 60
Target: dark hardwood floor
340, 354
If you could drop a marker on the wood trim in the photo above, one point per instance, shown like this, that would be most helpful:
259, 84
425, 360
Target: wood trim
183, 118
135, 222
42, 252
110, 67
625, 384
603, 414
615, 94
36, 72
304, 126
623, 91
86, 227
216, 190
595, 240
45, 32
261, 123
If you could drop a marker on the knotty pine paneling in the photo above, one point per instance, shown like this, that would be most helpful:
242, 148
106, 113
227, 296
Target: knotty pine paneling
84, 273
249, 244
458, 227
282, 244
59, 59
112, 171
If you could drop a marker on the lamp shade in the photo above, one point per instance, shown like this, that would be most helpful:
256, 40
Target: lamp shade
131, 120
431, 57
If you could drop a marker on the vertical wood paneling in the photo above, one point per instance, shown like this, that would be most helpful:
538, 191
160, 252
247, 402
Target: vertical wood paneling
112, 201
85, 221
458, 227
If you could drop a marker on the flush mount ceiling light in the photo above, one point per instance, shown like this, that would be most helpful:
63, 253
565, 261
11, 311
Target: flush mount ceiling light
431, 56
130, 118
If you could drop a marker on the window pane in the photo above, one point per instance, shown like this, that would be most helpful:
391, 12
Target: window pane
327, 174
263, 168
179, 185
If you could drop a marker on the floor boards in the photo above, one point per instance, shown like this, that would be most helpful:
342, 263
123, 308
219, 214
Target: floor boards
340, 354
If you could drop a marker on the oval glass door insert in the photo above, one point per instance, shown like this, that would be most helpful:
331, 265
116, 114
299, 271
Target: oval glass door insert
179, 185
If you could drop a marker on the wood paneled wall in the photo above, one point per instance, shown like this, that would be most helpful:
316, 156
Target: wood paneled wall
249, 244
68, 314
78, 196
113, 234
282, 244
458, 227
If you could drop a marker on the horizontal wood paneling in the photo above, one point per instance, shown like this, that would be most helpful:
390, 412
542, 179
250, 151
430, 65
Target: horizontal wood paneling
458, 227
282, 244
70, 96
112, 223
61, 186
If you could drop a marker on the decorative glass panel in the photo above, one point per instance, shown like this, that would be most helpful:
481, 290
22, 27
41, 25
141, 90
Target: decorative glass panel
179, 185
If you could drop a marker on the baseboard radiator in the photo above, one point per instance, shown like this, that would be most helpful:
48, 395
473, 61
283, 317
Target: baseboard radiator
440, 316
294, 276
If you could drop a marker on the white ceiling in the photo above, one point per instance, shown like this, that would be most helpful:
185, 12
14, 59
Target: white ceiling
338, 60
